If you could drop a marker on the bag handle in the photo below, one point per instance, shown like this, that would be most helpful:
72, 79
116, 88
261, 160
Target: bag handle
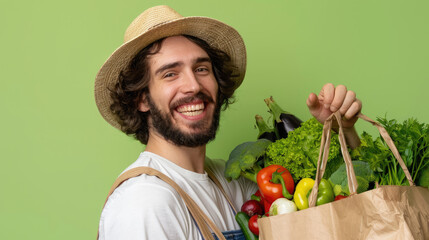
351, 177
214, 179
203, 222
385, 135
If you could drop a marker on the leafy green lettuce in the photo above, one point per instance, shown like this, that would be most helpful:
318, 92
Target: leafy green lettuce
299, 152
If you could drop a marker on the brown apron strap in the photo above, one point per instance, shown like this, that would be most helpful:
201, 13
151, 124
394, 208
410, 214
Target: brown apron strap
199, 216
214, 179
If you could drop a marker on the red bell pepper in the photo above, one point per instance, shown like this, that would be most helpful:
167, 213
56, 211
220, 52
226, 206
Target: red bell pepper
267, 205
275, 182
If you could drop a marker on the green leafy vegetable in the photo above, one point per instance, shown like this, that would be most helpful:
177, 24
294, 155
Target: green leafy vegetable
412, 140
423, 179
244, 160
300, 150
364, 176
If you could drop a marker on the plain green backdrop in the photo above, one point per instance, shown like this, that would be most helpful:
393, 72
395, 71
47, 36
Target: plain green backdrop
59, 157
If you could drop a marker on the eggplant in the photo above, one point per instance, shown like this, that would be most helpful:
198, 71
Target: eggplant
265, 132
284, 121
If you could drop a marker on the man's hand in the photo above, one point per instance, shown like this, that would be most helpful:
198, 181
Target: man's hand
332, 99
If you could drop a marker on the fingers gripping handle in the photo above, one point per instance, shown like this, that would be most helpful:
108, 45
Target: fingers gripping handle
324, 154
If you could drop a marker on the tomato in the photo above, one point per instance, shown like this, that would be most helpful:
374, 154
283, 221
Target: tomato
339, 197
253, 224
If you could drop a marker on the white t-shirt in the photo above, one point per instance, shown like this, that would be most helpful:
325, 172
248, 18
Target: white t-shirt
146, 207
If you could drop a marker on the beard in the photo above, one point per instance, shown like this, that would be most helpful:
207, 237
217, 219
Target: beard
163, 124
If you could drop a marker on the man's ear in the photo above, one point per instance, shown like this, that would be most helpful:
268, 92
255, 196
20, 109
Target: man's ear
143, 104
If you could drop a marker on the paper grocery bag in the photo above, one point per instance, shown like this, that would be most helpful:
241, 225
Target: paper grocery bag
387, 212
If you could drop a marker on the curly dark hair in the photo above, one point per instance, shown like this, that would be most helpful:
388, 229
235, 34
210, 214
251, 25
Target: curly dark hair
133, 84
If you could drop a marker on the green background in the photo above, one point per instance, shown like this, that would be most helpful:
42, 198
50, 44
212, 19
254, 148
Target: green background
59, 157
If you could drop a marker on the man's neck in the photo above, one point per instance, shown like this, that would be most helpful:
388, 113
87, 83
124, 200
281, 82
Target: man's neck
190, 158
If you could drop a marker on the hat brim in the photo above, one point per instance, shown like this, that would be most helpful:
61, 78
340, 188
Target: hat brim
214, 32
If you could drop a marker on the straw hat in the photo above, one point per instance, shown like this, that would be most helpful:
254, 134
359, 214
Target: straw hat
160, 22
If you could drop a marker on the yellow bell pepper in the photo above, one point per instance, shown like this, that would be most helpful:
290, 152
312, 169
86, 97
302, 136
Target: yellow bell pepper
302, 188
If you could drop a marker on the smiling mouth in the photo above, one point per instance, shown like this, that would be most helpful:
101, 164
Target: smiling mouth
191, 109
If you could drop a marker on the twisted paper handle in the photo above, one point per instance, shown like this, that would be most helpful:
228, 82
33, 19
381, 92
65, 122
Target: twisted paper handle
351, 177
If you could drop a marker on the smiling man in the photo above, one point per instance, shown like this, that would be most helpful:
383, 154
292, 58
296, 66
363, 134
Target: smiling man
166, 86
183, 94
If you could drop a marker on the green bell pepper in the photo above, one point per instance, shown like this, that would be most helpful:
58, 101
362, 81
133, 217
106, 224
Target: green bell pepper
325, 193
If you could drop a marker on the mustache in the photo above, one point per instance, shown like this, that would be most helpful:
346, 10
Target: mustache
199, 96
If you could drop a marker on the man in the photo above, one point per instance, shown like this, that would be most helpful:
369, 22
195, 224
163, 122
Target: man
166, 86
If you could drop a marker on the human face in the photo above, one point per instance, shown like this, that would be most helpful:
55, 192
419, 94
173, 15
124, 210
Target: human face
183, 91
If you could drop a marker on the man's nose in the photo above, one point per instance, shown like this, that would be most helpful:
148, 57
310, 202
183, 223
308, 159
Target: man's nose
191, 83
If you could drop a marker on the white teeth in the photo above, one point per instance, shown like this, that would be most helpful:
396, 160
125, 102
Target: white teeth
194, 113
191, 110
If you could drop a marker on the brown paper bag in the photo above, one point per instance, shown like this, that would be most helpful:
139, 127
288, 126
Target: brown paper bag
387, 212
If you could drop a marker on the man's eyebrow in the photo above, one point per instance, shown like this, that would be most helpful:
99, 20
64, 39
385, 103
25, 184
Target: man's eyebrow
176, 64
168, 66
203, 59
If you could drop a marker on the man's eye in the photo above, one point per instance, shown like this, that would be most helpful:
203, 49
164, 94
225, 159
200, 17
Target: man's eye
201, 69
169, 75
